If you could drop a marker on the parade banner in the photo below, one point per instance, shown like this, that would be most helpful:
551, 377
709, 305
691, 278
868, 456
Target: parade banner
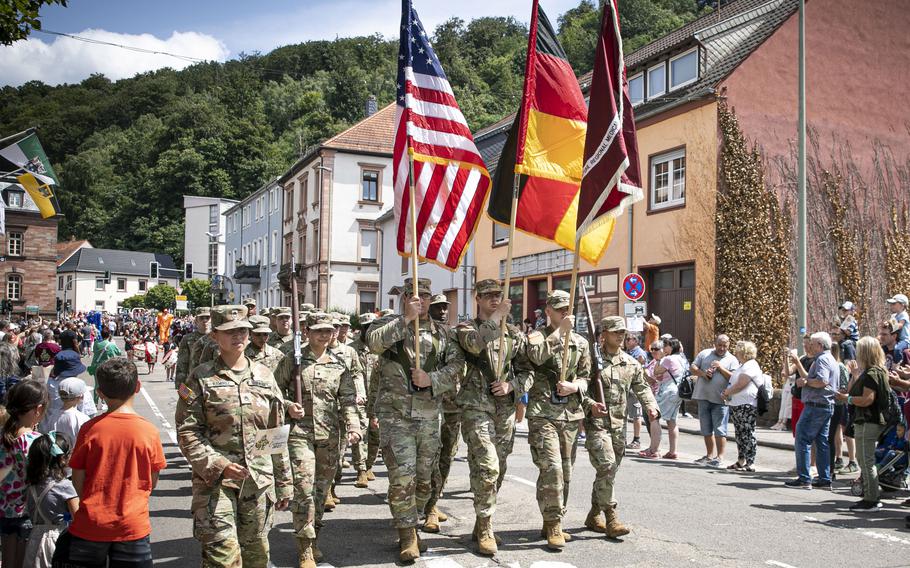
35, 173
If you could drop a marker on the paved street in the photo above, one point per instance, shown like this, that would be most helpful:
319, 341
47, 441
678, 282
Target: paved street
681, 514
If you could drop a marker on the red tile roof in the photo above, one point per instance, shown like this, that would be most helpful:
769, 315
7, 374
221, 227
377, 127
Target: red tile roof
66, 249
374, 134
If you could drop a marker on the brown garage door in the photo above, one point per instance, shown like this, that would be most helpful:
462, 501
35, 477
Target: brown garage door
671, 295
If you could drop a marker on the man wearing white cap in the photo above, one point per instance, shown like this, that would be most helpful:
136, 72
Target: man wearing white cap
849, 331
72, 391
898, 304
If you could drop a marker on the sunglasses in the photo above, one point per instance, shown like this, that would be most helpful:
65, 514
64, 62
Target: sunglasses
655, 349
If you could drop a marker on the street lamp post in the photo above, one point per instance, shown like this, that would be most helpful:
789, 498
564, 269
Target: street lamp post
801, 300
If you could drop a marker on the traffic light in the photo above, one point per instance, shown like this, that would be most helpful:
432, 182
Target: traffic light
188, 271
153, 270
69, 305
59, 304
107, 276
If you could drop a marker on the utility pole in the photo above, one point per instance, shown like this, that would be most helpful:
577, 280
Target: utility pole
801, 300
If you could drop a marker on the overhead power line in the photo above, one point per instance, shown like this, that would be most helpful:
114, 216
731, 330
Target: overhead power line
127, 47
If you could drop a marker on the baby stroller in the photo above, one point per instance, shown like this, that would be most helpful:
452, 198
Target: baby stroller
891, 460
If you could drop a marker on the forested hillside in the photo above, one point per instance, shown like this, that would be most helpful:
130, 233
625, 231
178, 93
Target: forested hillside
128, 151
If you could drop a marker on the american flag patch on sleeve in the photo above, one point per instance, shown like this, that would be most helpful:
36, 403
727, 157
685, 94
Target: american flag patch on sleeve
185, 392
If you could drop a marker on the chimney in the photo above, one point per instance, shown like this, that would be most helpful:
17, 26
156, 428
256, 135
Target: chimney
371, 106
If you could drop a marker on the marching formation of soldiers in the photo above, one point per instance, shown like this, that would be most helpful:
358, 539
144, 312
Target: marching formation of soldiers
253, 450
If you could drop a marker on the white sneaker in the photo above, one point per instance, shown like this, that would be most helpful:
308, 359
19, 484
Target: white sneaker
703, 460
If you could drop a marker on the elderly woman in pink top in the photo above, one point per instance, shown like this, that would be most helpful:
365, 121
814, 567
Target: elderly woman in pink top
664, 373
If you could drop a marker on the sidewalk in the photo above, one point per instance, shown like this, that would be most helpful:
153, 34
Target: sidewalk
782, 440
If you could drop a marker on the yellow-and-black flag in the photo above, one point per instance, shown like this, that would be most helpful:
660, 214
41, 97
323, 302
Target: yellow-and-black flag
35, 173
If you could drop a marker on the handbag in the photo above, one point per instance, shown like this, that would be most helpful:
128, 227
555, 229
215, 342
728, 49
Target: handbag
686, 387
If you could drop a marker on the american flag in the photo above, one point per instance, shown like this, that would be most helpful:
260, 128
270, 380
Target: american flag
451, 179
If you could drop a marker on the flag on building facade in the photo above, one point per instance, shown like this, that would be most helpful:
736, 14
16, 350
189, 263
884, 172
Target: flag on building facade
611, 179
35, 173
451, 180
546, 148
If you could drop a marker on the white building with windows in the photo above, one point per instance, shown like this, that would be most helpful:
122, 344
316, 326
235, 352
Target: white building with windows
203, 234
81, 284
253, 236
332, 198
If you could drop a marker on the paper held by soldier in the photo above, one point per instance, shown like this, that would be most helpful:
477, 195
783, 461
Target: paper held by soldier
271, 441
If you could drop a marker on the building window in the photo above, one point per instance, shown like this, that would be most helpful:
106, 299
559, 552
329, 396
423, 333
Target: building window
637, 89
369, 186
668, 179
99, 305
246, 216
367, 301
368, 244
500, 235
60, 282
304, 190
213, 215
274, 247
315, 242
213, 258
405, 265
99, 283
684, 69
657, 80
14, 244
143, 285
14, 287
121, 284
69, 282
289, 205
14, 198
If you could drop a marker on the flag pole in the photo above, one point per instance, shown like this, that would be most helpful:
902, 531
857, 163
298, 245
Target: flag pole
513, 213
572, 292
415, 290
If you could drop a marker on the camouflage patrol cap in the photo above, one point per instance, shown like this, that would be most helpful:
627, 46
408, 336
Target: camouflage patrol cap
319, 320
307, 307
558, 299
343, 319
386, 312
423, 286
225, 318
248, 302
281, 311
204, 311
260, 324
367, 318
265, 312
487, 286
613, 323
439, 299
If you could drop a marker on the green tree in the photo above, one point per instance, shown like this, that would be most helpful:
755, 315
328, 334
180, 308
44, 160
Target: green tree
160, 297
137, 301
19, 17
197, 292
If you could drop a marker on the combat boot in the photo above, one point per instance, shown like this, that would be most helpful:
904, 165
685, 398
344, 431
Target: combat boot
495, 536
317, 554
594, 520
431, 525
305, 553
486, 539
440, 515
615, 529
335, 496
421, 545
329, 504
370, 475
565, 536
362, 481
407, 545
553, 532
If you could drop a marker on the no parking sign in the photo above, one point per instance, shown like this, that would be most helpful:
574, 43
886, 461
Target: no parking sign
633, 287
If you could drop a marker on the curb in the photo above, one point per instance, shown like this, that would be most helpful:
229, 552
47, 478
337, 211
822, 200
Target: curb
730, 438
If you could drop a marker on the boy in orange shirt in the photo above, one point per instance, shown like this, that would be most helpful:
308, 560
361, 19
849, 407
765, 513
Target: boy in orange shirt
115, 467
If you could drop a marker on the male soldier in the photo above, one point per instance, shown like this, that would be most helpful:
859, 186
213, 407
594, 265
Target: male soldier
604, 421
283, 331
407, 405
555, 411
361, 452
327, 385
451, 424
225, 403
260, 351
185, 360
250, 304
352, 361
487, 401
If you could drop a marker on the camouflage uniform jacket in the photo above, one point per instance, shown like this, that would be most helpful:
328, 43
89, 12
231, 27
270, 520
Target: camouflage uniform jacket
277, 341
545, 349
268, 356
328, 392
368, 360
223, 410
621, 374
449, 406
185, 357
480, 342
352, 360
204, 351
393, 395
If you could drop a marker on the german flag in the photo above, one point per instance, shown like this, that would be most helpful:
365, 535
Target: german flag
545, 148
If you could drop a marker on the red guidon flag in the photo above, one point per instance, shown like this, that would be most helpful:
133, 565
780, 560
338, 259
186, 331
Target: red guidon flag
611, 178
450, 178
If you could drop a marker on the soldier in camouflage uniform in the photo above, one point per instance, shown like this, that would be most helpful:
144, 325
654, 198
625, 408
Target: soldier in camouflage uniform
283, 331
407, 404
250, 305
555, 411
327, 385
185, 361
605, 442
260, 351
487, 401
451, 425
225, 403
352, 361
368, 361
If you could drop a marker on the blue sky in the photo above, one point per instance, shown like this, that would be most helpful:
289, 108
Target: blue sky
215, 30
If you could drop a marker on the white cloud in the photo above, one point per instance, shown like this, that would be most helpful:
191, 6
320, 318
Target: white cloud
66, 60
